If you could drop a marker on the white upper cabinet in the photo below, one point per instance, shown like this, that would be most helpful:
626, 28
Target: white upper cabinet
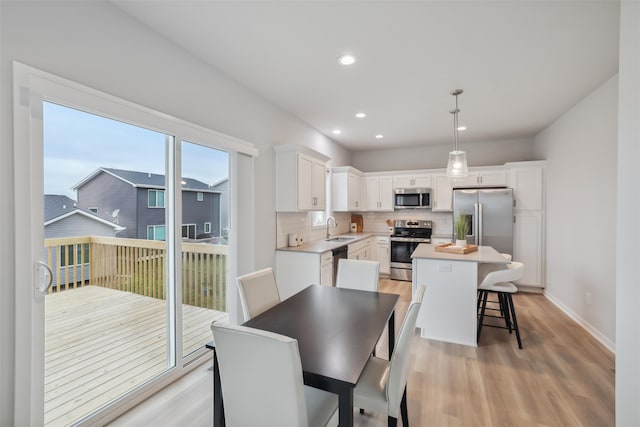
412, 181
379, 193
300, 179
347, 189
442, 194
527, 184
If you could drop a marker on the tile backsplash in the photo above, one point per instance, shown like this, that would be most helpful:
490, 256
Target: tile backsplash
374, 222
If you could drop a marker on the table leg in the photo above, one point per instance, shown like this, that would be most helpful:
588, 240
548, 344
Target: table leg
345, 406
218, 407
392, 332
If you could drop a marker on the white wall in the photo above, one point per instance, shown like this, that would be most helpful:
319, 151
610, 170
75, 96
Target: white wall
479, 153
628, 231
95, 44
580, 149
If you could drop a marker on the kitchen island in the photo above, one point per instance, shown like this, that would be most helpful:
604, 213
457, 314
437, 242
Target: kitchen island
448, 310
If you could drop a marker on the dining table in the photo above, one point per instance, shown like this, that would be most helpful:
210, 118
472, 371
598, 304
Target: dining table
337, 330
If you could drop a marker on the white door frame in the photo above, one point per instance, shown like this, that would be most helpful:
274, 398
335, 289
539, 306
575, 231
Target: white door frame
31, 88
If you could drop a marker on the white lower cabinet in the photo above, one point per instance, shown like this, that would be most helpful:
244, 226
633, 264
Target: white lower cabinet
528, 247
297, 270
362, 249
383, 253
326, 269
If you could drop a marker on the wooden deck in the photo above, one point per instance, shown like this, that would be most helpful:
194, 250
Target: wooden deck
100, 343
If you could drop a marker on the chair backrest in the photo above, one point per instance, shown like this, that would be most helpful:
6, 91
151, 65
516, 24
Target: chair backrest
399, 365
510, 273
258, 292
261, 377
358, 274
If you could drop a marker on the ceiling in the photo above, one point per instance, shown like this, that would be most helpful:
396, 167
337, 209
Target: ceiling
521, 64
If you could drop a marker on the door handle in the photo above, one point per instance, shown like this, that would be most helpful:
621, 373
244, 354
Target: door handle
42, 283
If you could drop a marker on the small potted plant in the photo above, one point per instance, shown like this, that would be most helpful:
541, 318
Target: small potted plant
461, 228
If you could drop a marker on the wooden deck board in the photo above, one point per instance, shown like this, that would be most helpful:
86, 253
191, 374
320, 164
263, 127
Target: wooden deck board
100, 343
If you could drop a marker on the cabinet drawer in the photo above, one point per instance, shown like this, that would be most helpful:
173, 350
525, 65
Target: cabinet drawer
326, 258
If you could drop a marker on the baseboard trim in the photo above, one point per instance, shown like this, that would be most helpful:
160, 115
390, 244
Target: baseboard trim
609, 345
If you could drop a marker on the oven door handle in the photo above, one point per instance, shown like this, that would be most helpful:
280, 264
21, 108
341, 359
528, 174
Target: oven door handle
410, 239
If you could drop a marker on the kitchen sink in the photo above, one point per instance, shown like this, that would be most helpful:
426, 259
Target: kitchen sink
340, 239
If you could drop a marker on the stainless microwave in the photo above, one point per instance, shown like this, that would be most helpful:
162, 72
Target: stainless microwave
412, 198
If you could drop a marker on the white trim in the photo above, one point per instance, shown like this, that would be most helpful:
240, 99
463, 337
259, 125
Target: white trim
610, 345
88, 215
205, 227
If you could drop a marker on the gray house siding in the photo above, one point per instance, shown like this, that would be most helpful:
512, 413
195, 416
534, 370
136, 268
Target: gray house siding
146, 215
223, 187
108, 193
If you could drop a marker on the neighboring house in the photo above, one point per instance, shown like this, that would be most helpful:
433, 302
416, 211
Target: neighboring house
63, 219
223, 187
136, 200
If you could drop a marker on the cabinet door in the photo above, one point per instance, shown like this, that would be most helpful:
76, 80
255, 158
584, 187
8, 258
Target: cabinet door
527, 187
382, 253
490, 178
386, 193
527, 246
372, 185
305, 188
412, 181
443, 196
318, 186
353, 195
326, 274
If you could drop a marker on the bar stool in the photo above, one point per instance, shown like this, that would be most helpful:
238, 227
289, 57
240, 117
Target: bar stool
499, 281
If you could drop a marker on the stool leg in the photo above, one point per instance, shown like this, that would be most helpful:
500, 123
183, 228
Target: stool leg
485, 294
505, 306
515, 321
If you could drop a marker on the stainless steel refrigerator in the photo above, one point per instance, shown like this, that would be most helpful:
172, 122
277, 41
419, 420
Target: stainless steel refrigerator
489, 213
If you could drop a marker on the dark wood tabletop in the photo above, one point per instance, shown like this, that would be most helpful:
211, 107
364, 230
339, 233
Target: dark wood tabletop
337, 329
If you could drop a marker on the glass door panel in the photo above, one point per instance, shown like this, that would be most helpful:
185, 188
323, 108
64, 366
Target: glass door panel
205, 225
106, 314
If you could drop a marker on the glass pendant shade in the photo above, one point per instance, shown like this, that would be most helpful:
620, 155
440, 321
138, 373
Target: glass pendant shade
457, 165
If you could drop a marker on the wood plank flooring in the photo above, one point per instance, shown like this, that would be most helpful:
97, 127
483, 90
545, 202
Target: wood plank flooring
562, 377
100, 343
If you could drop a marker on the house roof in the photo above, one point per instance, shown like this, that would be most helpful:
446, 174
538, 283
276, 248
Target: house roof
146, 180
58, 207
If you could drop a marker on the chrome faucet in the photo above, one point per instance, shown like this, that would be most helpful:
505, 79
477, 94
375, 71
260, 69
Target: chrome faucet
335, 224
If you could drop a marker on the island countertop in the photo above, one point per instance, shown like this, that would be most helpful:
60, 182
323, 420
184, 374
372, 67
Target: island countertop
484, 254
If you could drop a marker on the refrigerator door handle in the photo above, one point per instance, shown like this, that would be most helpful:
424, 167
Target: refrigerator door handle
480, 230
476, 223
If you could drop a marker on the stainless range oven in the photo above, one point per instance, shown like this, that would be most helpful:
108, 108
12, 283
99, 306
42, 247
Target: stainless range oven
407, 235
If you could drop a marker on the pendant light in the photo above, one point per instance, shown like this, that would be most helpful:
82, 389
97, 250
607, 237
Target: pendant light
457, 165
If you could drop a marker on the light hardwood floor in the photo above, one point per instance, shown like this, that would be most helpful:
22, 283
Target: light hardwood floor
562, 377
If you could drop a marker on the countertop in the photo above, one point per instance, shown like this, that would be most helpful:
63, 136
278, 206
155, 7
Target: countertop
484, 254
320, 246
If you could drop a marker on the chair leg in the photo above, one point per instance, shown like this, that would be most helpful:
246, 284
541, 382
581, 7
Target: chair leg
504, 310
485, 294
392, 422
403, 408
515, 321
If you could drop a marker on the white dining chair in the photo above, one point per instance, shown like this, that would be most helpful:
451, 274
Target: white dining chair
500, 282
262, 384
358, 274
382, 386
258, 292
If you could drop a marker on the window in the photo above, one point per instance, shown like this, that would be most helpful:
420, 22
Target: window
156, 199
207, 227
69, 257
156, 232
188, 231
200, 196
317, 218
94, 210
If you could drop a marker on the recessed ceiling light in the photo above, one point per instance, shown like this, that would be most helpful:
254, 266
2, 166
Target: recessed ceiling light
361, 115
379, 136
336, 131
347, 59
462, 128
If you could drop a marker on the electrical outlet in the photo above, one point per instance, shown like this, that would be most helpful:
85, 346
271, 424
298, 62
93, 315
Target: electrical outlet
444, 268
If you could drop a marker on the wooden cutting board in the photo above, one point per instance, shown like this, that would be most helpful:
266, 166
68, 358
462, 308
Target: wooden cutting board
358, 220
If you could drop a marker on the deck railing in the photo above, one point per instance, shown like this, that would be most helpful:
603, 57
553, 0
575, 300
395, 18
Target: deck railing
138, 266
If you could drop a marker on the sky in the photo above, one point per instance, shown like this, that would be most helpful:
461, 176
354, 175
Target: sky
77, 143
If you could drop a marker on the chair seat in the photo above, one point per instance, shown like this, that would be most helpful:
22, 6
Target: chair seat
322, 407
370, 392
501, 287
